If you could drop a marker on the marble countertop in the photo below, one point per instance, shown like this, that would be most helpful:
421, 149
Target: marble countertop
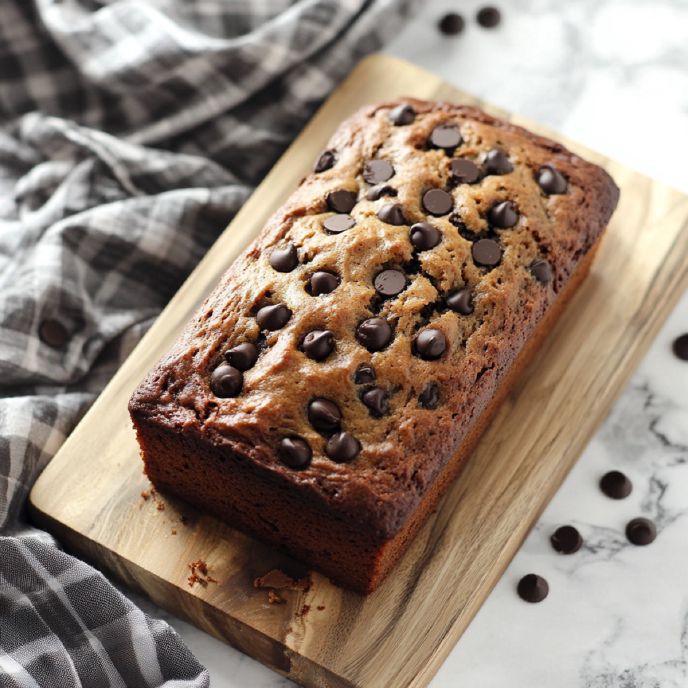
612, 74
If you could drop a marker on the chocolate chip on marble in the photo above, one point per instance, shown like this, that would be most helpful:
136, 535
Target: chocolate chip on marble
324, 415
318, 344
616, 485
566, 540
497, 162
551, 181
430, 344
542, 271
273, 317
242, 356
532, 588
341, 201
335, 224
322, 282
377, 401
402, 114
376, 192
486, 252
284, 259
365, 373
374, 333
503, 215
461, 301
325, 161
488, 17
424, 236
451, 24
390, 282
392, 214
437, 202
295, 452
429, 398
680, 347
378, 171
641, 531
446, 137
464, 171
342, 447
226, 381
53, 333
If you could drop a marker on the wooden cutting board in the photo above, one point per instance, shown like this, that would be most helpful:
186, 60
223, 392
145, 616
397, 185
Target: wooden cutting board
90, 494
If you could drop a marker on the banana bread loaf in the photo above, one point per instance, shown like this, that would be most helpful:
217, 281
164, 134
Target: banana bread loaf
328, 390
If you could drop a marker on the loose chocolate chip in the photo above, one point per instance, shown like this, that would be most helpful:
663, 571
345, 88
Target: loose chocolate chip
437, 202
295, 452
497, 162
242, 356
542, 271
551, 181
53, 333
503, 215
273, 317
486, 253
566, 540
390, 282
424, 236
325, 161
488, 17
377, 192
430, 344
324, 415
680, 347
451, 24
364, 374
464, 171
339, 223
342, 447
616, 485
429, 398
445, 137
341, 201
374, 333
323, 283
378, 171
284, 259
318, 344
402, 114
461, 301
226, 381
532, 588
377, 401
392, 214
641, 531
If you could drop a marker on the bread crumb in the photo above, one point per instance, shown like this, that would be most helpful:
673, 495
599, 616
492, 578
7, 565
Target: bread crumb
199, 574
145, 494
320, 607
160, 506
275, 598
174, 531
305, 609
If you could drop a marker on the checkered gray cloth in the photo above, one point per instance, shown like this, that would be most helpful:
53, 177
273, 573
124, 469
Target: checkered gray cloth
130, 133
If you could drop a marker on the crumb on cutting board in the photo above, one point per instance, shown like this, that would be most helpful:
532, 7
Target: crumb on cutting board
199, 574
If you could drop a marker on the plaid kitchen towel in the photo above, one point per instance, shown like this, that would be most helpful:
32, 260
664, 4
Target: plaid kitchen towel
130, 133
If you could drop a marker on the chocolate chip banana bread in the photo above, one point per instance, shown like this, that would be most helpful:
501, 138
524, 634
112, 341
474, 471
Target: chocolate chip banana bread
327, 392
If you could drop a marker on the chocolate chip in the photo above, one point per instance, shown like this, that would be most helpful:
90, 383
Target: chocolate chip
542, 271
342, 447
616, 485
324, 415
429, 398
341, 201
325, 161
464, 171
437, 202
377, 192
551, 181
318, 344
295, 452
402, 114
364, 374
273, 317
226, 381
461, 301
451, 24
378, 171
424, 236
446, 137
680, 347
497, 162
392, 214
284, 259
641, 531
377, 401
488, 17
503, 215
322, 283
374, 333
53, 333
242, 356
430, 344
532, 588
390, 282
566, 540
338, 223
486, 253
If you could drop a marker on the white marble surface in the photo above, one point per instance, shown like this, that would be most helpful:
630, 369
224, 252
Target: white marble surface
612, 74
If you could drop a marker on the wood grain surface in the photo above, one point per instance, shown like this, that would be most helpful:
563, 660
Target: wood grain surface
90, 494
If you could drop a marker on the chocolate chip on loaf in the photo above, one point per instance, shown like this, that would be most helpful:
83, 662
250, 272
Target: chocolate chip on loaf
486, 253
460, 301
375, 193
342, 447
226, 381
542, 271
322, 282
325, 161
503, 215
335, 224
273, 317
284, 259
390, 282
377, 401
365, 373
424, 236
402, 114
430, 344
497, 162
464, 171
242, 356
446, 137
429, 398
318, 344
378, 171
324, 415
551, 181
392, 214
294, 452
437, 202
374, 333
341, 201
